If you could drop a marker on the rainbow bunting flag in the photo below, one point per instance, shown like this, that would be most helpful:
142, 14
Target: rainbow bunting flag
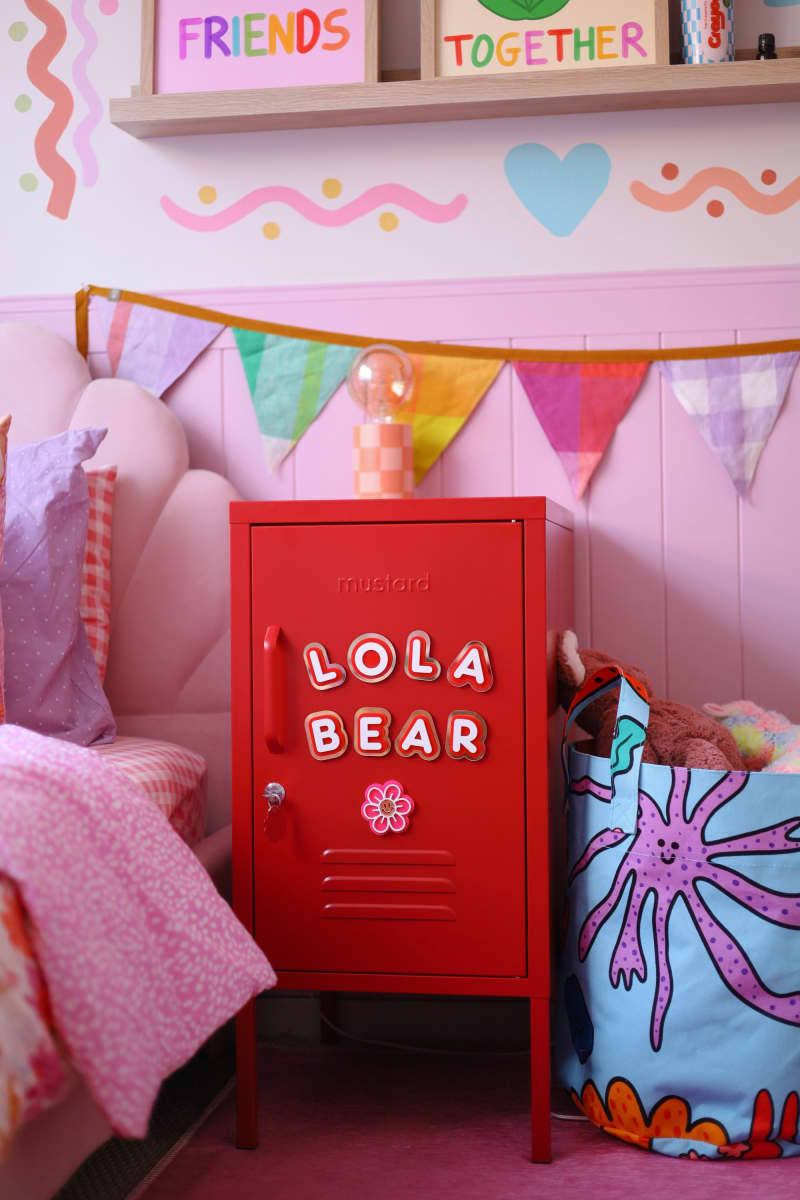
446, 392
579, 405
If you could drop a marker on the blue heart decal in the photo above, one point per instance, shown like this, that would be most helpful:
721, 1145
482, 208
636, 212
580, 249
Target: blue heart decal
558, 192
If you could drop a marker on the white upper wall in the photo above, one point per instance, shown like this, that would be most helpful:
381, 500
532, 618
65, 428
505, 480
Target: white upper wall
117, 232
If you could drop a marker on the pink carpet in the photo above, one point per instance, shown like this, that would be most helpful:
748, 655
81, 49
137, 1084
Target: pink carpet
360, 1124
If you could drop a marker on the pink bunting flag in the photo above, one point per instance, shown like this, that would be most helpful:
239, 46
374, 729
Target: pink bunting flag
735, 403
579, 405
148, 346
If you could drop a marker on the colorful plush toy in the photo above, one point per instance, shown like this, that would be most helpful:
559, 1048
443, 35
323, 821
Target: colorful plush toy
767, 741
677, 735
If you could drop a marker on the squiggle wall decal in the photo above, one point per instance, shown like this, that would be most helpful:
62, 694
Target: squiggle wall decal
45, 144
81, 139
387, 193
720, 177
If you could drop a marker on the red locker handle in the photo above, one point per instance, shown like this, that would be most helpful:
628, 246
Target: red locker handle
274, 691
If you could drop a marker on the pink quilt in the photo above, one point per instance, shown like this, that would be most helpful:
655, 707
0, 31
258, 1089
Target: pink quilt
142, 958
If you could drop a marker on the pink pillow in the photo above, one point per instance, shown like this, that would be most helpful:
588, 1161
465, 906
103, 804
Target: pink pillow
96, 575
5, 422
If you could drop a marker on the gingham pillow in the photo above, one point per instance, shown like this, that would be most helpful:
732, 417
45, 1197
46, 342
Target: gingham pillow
95, 603
173, 777
5, 422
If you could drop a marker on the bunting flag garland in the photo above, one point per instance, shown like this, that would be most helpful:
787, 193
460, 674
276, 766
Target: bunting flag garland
151, 347
446, 391
734, 402
579, 405
733, 393
290, 382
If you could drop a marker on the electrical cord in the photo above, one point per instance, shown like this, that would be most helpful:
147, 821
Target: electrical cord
436, 1050
415, 1049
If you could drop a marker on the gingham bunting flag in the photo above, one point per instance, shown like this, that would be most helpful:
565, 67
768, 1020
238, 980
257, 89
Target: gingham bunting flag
734, 402
290, 383
149, 346
579, 405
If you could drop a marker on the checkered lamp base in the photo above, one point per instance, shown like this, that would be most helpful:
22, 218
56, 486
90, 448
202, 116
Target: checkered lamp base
383, 461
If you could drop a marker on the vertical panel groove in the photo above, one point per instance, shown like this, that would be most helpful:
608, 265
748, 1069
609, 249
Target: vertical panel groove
223, 453
662, 467
740, 579
587, 508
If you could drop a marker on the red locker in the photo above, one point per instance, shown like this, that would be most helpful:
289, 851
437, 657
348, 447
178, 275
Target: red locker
392, 688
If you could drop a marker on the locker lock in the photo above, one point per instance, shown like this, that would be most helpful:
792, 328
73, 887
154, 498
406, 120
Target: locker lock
274, 794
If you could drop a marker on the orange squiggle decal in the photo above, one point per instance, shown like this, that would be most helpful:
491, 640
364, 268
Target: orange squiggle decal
722, 177
45, 144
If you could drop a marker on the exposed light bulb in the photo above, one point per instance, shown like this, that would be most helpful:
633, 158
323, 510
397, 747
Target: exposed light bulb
381, 380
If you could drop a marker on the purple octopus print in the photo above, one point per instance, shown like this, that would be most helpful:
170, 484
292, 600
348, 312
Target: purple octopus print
670, 858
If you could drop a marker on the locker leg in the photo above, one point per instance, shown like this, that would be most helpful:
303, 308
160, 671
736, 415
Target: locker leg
540, 1079
328, 1008
246, 1078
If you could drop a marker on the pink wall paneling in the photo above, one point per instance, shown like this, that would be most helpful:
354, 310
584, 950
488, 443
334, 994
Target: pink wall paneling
701, 544
770, 571
536, 470
672, 570
482, 463
197, 400
624, 515
244, 460
324, 471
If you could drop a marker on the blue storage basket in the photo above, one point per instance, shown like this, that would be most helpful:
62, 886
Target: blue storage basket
679, 1013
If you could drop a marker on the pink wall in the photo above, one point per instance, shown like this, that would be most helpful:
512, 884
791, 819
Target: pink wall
673, 571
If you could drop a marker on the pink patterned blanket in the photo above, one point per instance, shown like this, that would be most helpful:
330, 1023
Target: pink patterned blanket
141, 957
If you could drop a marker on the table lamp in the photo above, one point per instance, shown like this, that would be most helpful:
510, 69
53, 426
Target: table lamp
381, 381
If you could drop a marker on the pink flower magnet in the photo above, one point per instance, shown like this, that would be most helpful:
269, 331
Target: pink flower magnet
386, 808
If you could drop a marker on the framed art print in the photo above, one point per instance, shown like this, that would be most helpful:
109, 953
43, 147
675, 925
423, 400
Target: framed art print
224, 45
499, 37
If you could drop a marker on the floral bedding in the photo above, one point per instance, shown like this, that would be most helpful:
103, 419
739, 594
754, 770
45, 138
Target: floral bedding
115, 947
32, 1072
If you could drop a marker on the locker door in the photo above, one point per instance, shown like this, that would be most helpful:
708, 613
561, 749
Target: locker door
447, 894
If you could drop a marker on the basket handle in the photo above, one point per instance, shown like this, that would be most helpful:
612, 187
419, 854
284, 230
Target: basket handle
630, 730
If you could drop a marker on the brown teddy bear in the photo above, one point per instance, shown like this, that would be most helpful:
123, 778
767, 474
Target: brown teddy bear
677, 735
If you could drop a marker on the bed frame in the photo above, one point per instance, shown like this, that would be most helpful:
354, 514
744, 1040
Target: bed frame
167, 677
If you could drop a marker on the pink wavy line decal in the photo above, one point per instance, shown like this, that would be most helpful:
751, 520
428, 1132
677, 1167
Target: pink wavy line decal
81, 139
385, 193
47, 137
722, 177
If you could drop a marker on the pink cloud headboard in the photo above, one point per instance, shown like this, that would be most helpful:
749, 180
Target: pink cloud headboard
168, 665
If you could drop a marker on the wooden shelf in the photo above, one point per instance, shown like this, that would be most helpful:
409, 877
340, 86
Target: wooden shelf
612, 89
